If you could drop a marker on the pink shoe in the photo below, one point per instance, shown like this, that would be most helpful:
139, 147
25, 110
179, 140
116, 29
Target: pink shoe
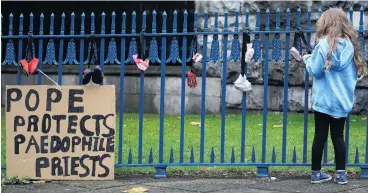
136, 59
142, 65
294, 52
197, 57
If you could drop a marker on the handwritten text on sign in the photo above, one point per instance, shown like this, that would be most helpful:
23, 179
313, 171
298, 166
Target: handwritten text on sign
63, 134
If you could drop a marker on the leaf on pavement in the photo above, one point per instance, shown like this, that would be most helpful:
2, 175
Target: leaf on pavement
136, 190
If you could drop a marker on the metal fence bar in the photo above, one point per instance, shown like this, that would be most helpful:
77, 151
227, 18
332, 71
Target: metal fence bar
183, 75
306, 95
347, 129
162, 90
102, 44
40, 50
61, 49
223, 89
286, 85
122, 82
20, 48
244, 97
204, 78
81, 46
265, 92
141, 93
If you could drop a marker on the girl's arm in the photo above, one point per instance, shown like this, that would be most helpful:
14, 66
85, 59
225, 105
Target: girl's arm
315, 62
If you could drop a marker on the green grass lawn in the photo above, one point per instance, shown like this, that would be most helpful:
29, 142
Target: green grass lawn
295, 130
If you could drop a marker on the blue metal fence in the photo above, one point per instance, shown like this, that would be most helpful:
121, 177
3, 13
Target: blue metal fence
111, 58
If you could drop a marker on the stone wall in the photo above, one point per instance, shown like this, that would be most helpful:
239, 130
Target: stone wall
296, 94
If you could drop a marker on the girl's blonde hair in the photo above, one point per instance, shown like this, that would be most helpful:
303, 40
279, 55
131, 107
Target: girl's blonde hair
334, 25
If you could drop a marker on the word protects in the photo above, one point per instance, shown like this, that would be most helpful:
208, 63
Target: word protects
63, 134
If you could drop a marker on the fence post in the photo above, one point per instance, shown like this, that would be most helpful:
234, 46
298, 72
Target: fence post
223, 88
20, 48
161, 170
306, 95
204, 80
183, 76
262, 170
286, 85
122, 82
244, 98
141, 88
40, 50
61, 49
102, 45
364, 169
81, 47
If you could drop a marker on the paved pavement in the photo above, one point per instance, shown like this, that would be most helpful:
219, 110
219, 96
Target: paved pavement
190, 184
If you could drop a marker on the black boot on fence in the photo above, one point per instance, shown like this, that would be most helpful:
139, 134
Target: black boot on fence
97, 75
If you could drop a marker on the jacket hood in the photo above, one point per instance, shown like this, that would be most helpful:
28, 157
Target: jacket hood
342, 56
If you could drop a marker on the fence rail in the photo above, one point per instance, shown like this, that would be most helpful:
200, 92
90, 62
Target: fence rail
179, 41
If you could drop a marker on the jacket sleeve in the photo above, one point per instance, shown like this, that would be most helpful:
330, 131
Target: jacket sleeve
315, 62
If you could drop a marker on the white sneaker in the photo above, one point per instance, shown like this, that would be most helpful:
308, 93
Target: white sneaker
239, 80
249, 54
243, 84
197, 57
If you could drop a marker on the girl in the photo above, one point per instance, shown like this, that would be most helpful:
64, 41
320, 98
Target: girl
334, 64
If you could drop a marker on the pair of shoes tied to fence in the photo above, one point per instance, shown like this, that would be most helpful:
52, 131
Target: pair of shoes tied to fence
29, 64
141, 64
192, 81
96, 75
28, 68
92, 59
242, 83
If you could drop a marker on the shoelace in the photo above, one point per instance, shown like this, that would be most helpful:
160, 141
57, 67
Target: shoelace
300, 36
29, 49
141, 41
194, 47
92, 58
246, 40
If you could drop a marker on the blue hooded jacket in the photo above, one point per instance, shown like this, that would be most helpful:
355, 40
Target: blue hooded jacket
333, 90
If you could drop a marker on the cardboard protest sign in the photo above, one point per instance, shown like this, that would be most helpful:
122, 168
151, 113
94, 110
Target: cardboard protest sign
63, 134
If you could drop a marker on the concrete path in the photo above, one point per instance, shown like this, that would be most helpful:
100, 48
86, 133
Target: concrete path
188, 184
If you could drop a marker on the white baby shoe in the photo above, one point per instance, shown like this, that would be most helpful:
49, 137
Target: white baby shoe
249, 54
243, 84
